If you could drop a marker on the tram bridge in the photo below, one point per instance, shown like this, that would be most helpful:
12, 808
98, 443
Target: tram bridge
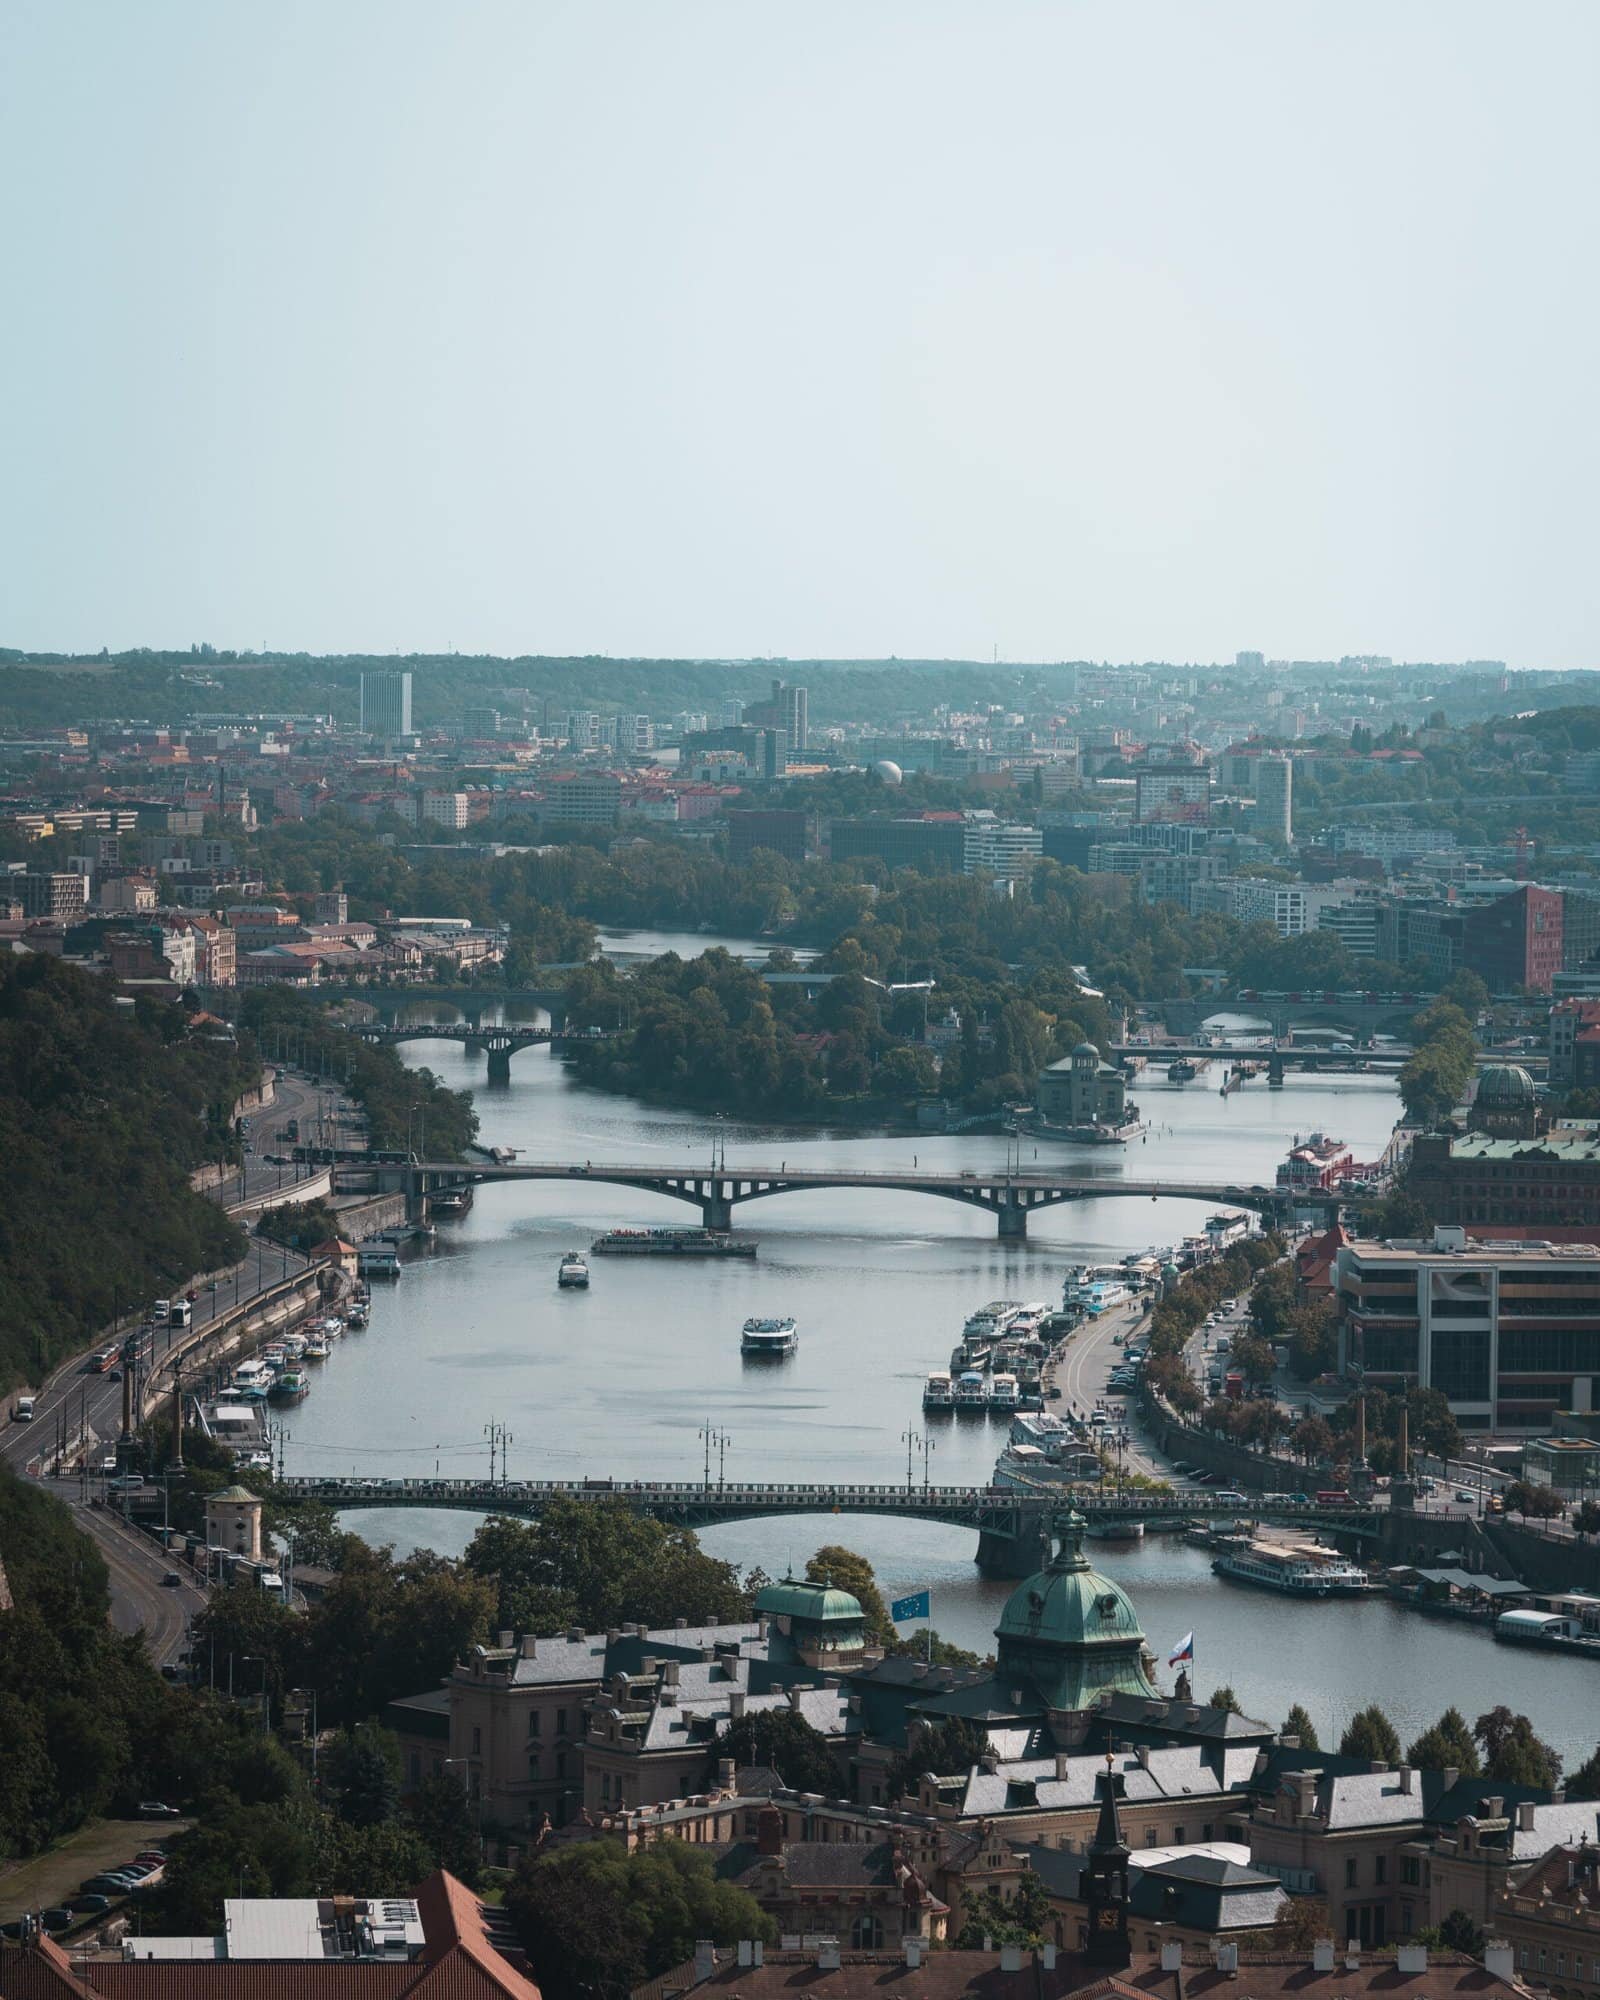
1012, 1526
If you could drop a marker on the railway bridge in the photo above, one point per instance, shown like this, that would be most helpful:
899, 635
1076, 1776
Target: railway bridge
716, 1190
1013, 1527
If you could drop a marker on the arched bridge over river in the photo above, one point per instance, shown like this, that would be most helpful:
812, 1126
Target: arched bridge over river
496, 1039
1012, 1527
716, 1191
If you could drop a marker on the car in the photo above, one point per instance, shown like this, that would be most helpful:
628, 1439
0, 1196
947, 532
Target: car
103, 1885
126, 1482
93, 1905
1463, 1494
57, 1918
172, 1580
157, 1809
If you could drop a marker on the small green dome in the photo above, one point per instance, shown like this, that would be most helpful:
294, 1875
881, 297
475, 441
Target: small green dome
1071, 1631
816, 1603
1505, 1086
1087, 1049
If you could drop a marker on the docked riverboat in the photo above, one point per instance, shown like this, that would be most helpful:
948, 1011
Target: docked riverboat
769, 1337
972, 1392
290, 1387
573, 1272
1303, 1570
939, 1392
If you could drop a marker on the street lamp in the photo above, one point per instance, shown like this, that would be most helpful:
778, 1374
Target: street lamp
474, 1793
266, 1706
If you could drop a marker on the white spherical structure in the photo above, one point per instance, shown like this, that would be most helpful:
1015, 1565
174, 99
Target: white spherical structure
891, 774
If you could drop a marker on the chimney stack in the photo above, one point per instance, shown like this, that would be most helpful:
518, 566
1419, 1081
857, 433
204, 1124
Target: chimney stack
1171, 1955
705, 1959
1497, 1959
1412, 1958
1062, 1764
1407, 1779
1524, 1815
828, 1957
529, 1646
736, 1702
1011, 1958
1322, 1954
1047, 1956
913, 1953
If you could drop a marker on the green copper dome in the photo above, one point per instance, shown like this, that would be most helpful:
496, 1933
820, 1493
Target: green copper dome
1505, 1086
818, 1603
1071, 1632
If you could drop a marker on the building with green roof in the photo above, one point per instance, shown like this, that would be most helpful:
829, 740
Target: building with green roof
814, 1622
1070, 1633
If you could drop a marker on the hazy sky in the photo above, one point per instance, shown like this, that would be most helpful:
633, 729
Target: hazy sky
714, 326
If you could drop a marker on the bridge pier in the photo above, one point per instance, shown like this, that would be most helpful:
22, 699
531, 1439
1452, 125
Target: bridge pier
1013, 1218
499, 1063
1020, 1555
716, 1213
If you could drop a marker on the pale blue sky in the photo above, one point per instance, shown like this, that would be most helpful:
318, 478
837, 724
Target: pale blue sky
712, 326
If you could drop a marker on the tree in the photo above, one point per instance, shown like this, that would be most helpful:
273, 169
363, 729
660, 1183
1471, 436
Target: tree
1513, 1754
1447, 1744
845, 1570
1371, 1735
442, 1814
1457, 1933
1224, 1698
990, 1918
782, 1739
361, 1772
947, 1749
1298, 1723
1585, 1781
599, 1921
1271, 1302
1586, 1518
1253, 1358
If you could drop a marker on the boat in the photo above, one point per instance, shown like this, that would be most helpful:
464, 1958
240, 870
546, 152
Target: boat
1184, 1070
318, 1347
294, 1345
1304, 1570
938, 1392
290, 1387
991, 1321
251, 1380
1115, 1531
573, 1273
356, 1315
451, 1203
971, 1392
671, 1243
1003, 1393
769, 1336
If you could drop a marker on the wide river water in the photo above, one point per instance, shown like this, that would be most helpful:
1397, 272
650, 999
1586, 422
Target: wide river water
623, 1379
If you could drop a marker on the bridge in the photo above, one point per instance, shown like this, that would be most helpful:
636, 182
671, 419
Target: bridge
389, 1003
1011, 1197
496, 1039
1012, 1527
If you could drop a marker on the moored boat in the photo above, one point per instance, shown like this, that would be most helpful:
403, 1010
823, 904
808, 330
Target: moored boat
938, 1392
573, 1272
290, 1387
1303, 1570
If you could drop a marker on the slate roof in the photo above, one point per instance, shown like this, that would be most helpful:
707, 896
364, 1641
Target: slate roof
1182, 1771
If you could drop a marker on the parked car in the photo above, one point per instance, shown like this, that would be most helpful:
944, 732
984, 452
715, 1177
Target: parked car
93, 1905
157, 1809
57, 1918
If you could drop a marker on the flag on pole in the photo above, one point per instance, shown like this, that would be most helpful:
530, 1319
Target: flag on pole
1183, 1651
917, 1606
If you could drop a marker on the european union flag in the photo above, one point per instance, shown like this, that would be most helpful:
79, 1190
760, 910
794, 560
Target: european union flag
904, 1609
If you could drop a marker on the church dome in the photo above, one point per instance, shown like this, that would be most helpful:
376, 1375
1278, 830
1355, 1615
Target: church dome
1071, 1631
1505, 1087
1087, 1049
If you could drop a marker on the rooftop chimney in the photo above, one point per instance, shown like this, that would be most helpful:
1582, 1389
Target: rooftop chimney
1011, 1958
574, 1633
913, 1951
1407, 1779
669, 1672
1452, 1776
1227, 1958
1047, 1957
1412, 1958
736, 1702
1497, 1961
705, 1958
1378, 1766
506, 1640
1062, 1763
1322, 1954
758, 1952
828, 1957
746, 1952
1524, 1815
680, 1624
794, 1699
1171, 1955
530, 1646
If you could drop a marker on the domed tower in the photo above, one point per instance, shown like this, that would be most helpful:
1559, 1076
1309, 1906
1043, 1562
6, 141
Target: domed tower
1506, 1103
1070, 1633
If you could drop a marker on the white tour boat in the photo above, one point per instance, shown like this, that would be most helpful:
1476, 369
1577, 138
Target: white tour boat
1304, 1570
939, 1393
573, 1274
769, 1336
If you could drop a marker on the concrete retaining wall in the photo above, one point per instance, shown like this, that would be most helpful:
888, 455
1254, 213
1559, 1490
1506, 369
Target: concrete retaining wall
371, 1217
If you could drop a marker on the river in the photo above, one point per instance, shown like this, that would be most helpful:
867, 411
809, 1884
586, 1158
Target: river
623, 1378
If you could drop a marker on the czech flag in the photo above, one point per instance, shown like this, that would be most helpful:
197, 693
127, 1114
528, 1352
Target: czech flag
916, 1606
1183, 1651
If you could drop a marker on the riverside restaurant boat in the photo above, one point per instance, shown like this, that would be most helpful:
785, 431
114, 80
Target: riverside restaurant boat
769, 1336
573, 1272
972, 1392
1003, 1393
290, 1387
939, 1392
670, 1243
991, 1321
1303, 1570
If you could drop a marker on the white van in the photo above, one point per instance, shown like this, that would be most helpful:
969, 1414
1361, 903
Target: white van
22, 1410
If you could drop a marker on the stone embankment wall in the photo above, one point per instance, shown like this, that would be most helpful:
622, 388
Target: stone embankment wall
370, 1216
